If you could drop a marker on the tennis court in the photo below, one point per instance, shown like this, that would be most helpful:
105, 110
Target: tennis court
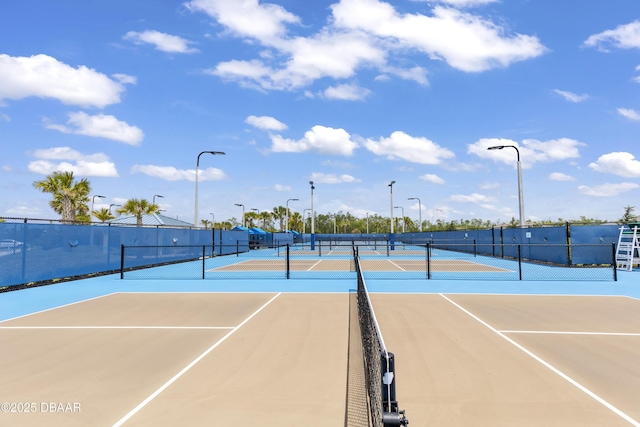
113, 352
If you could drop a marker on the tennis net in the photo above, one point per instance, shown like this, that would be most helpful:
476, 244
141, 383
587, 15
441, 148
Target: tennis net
379, 362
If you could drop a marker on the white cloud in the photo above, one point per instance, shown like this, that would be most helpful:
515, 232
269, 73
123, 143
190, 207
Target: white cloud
531, 150
570, 96
247, 18
618, 163
399, 145
97, 164
279, 187
471, 198
323, 178
324, 140
625, 36
360, 33
265, 122
102, 126
434, 179
170, 173
608, 190
466, 42
559, 176
5, 117
162, 41
489, 185
45, 77
629, 114
346, 92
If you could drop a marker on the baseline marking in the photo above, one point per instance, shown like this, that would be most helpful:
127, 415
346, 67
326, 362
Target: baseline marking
613, 334
116, 327
190, 365
548, 365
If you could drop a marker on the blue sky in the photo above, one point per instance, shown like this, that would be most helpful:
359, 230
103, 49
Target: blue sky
351, 94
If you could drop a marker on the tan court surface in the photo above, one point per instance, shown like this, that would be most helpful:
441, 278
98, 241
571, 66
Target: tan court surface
367, 265
215, 359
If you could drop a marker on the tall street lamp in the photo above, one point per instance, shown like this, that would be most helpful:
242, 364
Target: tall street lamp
240, 204
195, 216
520, 196
157, 195
112, 205
400, 207
286, 223
213, 219
367, 222
419, 210
391, 237
313, 225
93, 199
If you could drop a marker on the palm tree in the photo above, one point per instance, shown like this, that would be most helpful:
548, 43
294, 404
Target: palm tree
279, 213
265, 216
70, 197
295, 222
138, 208
103, 215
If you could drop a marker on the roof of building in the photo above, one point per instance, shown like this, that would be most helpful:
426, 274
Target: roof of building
152, 219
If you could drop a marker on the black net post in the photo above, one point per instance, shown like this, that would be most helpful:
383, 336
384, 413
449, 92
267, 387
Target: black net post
613, 262
121, 262
203, 256
288, 263
428, 246
520, 261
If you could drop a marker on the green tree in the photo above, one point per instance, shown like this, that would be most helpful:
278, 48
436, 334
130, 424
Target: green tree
70, 197
138, 208
628, 215
102, 215
265, 216
279, 213
206, 223
295, 222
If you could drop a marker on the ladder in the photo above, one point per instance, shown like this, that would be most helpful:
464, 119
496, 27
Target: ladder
628, 249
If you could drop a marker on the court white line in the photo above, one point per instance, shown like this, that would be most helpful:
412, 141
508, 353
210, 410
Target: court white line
60, 306
551, 367
117, 327
396, 265
313, 266
613, 334
191, 365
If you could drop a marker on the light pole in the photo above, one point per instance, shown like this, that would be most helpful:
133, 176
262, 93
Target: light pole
367, 222
419, 210
195, 215
112, 205
258, 212
286, 223
400, 207
520, 196
391, 237
213, 220
157, 195
93, 199
313, 215
240, 204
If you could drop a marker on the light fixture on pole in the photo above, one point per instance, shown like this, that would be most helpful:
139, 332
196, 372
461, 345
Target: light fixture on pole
154, 198
419, 210
391, 237
367, 222
520, 196
112, 205
313, 215
400, 207
195, 215
240, 204
213, 219
93, 199
286, 223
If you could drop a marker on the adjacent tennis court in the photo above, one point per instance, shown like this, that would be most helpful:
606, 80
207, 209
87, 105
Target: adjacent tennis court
106, 351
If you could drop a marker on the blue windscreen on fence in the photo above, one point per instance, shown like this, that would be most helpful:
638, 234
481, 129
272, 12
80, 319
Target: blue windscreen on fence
38, 252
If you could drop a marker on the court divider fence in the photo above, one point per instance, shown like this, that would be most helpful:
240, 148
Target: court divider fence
437, 261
